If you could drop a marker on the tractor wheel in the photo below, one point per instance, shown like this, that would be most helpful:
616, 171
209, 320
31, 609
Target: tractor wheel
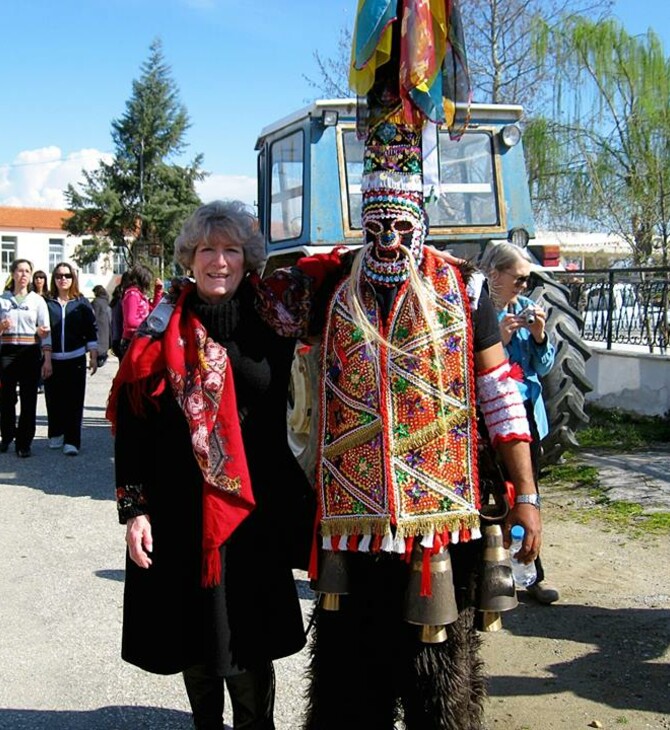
564, 388
303, 400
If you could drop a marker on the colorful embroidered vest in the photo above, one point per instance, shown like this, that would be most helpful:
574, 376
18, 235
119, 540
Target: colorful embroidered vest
397, 450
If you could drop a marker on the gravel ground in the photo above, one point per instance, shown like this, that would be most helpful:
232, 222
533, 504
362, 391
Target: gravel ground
600, 655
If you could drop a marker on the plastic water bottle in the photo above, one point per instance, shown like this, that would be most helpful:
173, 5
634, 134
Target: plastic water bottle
524, 575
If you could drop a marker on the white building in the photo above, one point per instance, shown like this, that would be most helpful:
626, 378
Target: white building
587, 250
36, 234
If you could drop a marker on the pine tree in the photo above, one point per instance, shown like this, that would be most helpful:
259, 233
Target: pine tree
136, 203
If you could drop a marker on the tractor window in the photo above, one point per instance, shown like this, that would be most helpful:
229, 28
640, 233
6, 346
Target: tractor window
286, 192
353, 156
466, 194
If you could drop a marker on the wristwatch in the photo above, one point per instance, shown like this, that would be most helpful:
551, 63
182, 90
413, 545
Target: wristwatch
533, 499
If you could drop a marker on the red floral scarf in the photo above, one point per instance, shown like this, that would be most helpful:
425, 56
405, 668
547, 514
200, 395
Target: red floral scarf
198, 371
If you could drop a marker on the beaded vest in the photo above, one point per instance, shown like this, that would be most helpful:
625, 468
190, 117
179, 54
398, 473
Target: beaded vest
398, 432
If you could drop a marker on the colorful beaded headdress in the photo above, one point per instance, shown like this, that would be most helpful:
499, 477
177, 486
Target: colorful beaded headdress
408, 62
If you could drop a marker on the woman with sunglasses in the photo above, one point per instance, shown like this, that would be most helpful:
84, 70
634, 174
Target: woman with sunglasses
39, 285
73, 335
523, 332
24, 321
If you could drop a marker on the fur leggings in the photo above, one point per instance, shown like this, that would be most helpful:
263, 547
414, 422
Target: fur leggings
368, 670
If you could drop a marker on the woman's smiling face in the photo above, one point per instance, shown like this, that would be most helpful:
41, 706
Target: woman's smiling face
218, 268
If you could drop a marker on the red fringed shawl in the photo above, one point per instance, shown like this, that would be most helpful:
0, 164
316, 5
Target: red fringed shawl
202, 383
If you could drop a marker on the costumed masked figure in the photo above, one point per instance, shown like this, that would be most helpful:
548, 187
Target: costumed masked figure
408, 351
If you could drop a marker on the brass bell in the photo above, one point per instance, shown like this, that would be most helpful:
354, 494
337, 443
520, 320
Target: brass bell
431, 612
496, 587
332, 580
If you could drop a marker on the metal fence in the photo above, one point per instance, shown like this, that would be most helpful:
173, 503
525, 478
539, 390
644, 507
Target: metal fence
622, 306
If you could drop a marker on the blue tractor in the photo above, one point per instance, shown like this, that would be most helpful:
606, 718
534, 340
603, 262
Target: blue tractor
309, 199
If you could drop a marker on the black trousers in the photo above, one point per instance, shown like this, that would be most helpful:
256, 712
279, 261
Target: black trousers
19, 366
252, 696
64, 392
535, 455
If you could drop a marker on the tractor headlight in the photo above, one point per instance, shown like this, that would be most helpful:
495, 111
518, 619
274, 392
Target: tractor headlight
329, 117
510, 135
519, 237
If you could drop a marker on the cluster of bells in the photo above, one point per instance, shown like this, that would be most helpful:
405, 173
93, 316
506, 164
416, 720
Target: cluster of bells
496, 590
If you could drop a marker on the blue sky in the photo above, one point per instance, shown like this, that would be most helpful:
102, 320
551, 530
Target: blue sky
66, 71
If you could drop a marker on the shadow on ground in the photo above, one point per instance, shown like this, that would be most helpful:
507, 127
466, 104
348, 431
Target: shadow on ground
104, 718
621, 671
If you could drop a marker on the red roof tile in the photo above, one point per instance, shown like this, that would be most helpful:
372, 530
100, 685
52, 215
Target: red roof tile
42, 219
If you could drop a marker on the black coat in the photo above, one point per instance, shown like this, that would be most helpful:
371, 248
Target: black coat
169, 621
103, 320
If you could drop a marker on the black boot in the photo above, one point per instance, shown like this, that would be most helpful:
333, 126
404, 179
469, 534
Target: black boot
252, 696
205, 693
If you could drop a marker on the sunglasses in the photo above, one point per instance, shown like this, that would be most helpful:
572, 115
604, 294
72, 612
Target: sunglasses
62, 276
519, 281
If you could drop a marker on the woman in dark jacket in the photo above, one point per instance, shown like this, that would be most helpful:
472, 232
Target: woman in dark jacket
215, 504
73, 335
103, 321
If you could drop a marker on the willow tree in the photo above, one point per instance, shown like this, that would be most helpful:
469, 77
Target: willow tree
604, 156
136, 203
499, 43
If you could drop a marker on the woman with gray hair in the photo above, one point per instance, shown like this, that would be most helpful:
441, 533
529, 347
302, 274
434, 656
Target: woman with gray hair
523, 332
209, 491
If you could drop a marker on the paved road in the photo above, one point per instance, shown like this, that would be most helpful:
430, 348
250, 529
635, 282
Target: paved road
61, 583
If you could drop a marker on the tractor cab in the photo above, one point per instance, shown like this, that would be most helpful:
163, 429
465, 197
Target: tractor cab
309, 176
476, 190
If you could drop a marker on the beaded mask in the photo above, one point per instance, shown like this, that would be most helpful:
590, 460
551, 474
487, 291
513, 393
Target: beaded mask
393, 213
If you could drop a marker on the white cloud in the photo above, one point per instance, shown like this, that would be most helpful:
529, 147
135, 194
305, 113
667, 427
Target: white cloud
38, 178
227, 187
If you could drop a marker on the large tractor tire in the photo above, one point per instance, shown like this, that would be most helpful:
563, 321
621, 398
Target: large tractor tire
303, 403
566, 385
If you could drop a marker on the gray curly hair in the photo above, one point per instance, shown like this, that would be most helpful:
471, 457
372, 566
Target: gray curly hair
230, 219
500, 256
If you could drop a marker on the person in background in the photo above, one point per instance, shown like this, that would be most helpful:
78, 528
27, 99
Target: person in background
135, 303
117, 314
523, 331
73, 335
207, 486
103, 321
39, 284
24, 321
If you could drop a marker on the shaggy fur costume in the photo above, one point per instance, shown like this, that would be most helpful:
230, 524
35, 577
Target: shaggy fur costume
368, 669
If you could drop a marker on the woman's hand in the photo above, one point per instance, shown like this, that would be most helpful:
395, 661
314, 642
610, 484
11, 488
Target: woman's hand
43, 331
93, 361
509, 324
5, 324
536, 328
139, 540
47, 368
446, 256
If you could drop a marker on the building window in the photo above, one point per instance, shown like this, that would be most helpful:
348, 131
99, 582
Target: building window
91, 268
8, 252
119, 263
56, 252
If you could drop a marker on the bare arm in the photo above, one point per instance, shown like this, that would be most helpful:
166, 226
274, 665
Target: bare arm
515, 454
